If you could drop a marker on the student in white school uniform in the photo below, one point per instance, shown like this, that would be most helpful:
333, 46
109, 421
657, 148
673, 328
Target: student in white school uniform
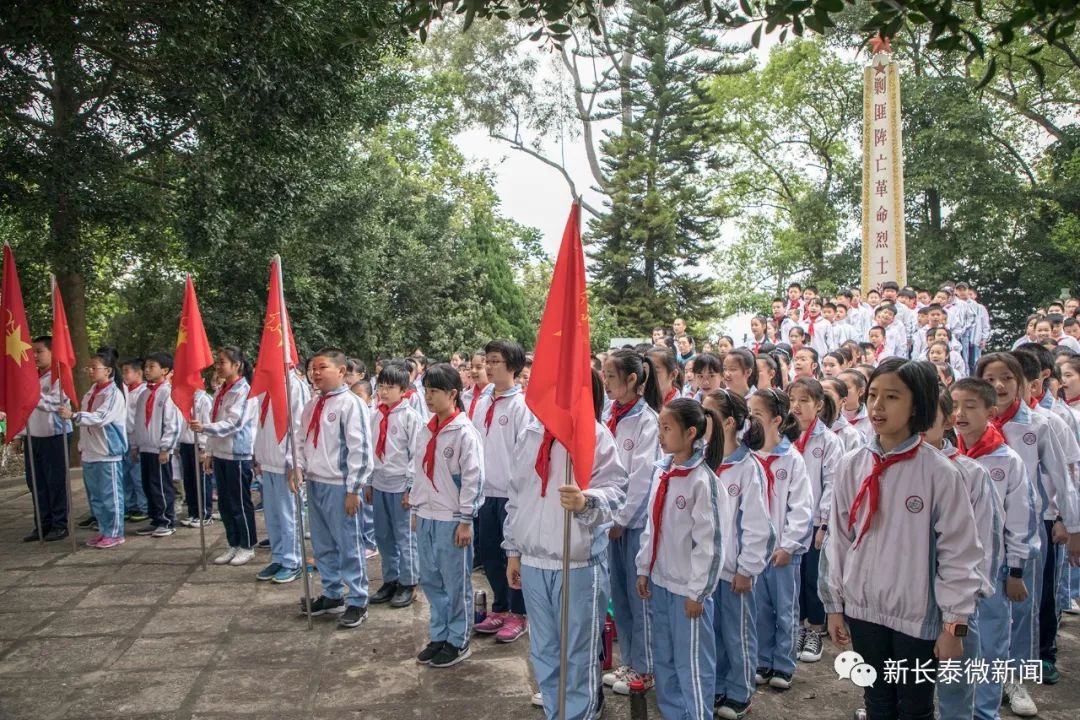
740, 372
680, 560
414, 394
956, 693
896, 337
335, 465
822, 451
748, 541
102, 444
190, 459
850, 438
539, 498
668, 373
500, 416
155, 434
396, 428
909, 606
1013, 577
272, 461
481, 384
791, 508
230, 440
630, 383
854, 410
818, 329
134, 496
445, 495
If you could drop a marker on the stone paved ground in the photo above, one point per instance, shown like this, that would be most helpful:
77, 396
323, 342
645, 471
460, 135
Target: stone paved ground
143, 633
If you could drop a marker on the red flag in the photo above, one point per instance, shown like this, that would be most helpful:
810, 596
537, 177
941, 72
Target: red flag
269, 374
560, 387
19, 389
63, 354
192, 354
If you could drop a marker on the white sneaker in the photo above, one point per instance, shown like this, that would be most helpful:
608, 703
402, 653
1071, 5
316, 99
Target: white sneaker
1020, 701
811, 651
226, 557
537, 700
243, 556
613, 676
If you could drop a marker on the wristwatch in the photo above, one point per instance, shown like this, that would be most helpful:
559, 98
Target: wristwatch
957, 629
1016, 573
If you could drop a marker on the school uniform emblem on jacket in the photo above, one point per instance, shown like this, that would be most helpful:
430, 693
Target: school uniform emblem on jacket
819, 452
503, 420
628, 444
680, 502
331, 417
914, 504
997, 474
448, 452
781, 474
393, 430
733, 488
1029, 438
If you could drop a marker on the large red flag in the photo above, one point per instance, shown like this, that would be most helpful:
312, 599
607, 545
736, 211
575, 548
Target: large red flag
269, 374
560, 387
63, 353
192, 354
19, 389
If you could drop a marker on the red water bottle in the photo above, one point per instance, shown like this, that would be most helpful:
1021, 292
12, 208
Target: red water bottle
609, 636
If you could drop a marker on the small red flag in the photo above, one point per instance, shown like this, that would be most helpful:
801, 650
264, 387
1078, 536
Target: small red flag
192, 354
270, 370
19, 389
560, 387
63, 353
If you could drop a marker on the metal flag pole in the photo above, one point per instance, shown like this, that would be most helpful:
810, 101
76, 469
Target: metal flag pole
199, 495
564, 616
64, 434
289, 379
33, 487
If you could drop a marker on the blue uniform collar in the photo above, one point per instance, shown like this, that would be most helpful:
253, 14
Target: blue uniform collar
875, 446
782, 448
667, 462
741, 451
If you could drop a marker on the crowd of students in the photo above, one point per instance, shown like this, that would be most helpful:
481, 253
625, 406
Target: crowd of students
745, 502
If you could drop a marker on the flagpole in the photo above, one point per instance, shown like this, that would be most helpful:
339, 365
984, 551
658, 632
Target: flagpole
286, 343
33, 487
64, 434
564, 617
199, 495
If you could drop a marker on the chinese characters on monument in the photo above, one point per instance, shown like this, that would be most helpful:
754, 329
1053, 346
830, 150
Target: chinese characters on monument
883, 246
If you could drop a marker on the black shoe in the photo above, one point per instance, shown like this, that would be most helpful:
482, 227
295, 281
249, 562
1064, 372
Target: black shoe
86, 523
58, 533
450, 655
403, 597
31, 536
264, 545
136, 516
353, 616
387, 591
323, 605
146, 530
428, 654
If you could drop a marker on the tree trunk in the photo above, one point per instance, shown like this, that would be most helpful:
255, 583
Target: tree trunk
933, 202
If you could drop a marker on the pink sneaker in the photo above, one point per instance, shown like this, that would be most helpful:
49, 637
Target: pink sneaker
514, 626
109, 542
491, 624
93, 542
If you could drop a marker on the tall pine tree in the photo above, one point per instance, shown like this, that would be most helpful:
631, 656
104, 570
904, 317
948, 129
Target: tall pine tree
660, 222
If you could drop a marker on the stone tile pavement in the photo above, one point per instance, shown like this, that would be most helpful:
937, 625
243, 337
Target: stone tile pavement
143, 633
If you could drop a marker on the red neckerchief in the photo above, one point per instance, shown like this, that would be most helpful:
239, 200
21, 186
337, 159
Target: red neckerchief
878, 351
151, 389
132, 387
264, 408
1034, 401
810, 327
870, 489
543, 460
618, 410
315, 424
673, 391
475, 398
658, 507
770, 478
435, 427
1010, 412
384, 424
225, 388
490, 414
800, 444
1072, 400
409, 393
94, 393
988, 442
